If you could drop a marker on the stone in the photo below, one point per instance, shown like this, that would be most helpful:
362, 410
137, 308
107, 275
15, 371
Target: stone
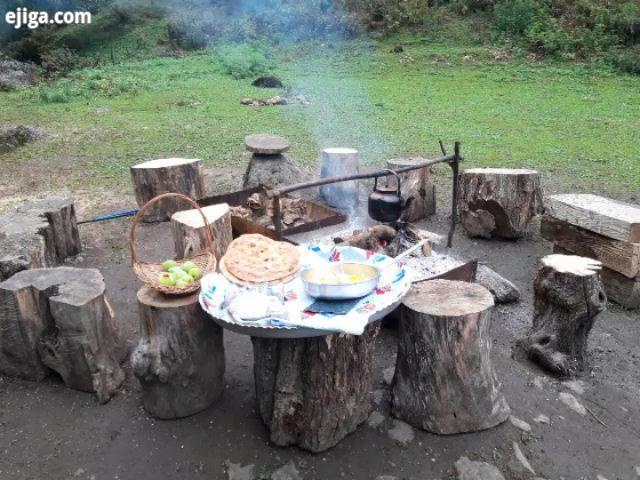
522, 459
14, 136
401, 432
387, 375
287, 472
468, 470
381, 397
542, 419
576, 386
503, 290
573, 403
235, 471
265, 144
375, 419
521, 424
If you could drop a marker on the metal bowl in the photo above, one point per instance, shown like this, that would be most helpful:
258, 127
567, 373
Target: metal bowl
341, 291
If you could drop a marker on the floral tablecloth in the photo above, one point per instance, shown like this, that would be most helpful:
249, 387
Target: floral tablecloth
394, 283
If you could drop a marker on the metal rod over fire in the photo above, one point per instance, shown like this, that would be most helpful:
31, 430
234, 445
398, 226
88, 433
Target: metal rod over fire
453, 160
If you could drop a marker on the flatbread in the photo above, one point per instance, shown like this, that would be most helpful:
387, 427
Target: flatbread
256, 258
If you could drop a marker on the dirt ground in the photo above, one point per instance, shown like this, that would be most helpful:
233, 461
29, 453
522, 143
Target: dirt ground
50, 432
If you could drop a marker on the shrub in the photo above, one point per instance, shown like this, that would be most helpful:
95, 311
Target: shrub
627, 61
61, 61
55, 95
514, 17
243, 60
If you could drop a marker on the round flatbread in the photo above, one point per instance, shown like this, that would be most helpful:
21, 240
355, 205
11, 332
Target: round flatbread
256, 258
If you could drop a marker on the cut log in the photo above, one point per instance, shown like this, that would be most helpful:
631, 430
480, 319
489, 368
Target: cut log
609, 218
623, 257
418, 194
180, 357
38, 235
265, 144
620, 289
569, 296
313, 392
337, 162
177, 175
189, 235
499, 202
503, 290
444, 381
59, 319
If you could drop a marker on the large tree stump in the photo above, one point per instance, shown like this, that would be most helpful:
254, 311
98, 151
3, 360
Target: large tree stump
313, 392
418, 193
444, 381
568, 298
177, 175
189, 235
180, 357
498, 202
38, 235
59, 319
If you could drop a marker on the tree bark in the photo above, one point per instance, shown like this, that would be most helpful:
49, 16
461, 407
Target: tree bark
444, 381
38, 235
178, 175
189, 235
568, 298
418, 194
313, 392
180, 357
499, 202
59, 319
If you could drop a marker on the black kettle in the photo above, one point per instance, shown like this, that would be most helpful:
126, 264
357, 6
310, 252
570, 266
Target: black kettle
385, 204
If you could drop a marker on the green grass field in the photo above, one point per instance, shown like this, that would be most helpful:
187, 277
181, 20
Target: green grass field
576, 123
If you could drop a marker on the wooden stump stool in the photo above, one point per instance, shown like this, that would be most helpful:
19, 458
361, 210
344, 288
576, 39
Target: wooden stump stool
189, 235
177, 175
498, 202
568, 298
418, 193
444, 382
180, 357
59, 319
313, 392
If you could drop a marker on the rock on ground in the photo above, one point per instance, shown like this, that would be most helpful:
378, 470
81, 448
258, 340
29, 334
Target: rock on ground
375, 419
387, 375
502, 289
468, 470
542, 419
522, 459
573, 403
576, 386
235, 471
14, 136
401, 432
521, 424
287, 472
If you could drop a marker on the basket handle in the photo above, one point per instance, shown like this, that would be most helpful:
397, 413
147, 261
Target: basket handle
138, 216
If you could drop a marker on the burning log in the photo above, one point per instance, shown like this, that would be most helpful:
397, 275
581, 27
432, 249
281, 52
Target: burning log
180, 357
499, 202
418, 194
59, 319
378, 238
177, 175
569, 296
313, 392
189, 235
444, 381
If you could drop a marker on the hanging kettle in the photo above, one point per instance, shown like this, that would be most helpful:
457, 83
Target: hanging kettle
385, 203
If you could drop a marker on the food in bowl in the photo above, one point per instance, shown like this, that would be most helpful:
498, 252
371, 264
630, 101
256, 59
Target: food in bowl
335, 275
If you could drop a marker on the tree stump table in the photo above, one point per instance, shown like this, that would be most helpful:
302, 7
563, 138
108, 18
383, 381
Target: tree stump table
498, 202
418, 193
312, 392
175, 175
568, 298
444, 381
180, 357
59, 319
189, 235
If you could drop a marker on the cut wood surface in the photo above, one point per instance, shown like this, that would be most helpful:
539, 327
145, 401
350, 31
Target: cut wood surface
59, 319
607, 217
189, 235
498, 202
177, 175
180, 357
266, 144
444, 380
313, 392
623, 257
38, 235
417, 192
569, 296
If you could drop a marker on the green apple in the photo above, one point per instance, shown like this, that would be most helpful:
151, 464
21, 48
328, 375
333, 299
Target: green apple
195, 273
186, 266
177, 270
168, 264
185, 281
166, 279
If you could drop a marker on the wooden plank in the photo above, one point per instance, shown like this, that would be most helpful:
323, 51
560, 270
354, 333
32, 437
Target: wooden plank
620, 289
623, 257
607, 217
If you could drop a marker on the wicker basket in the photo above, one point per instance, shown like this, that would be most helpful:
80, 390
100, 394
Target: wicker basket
148, 272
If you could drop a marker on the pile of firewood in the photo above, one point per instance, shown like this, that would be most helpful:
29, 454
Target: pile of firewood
259, 209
